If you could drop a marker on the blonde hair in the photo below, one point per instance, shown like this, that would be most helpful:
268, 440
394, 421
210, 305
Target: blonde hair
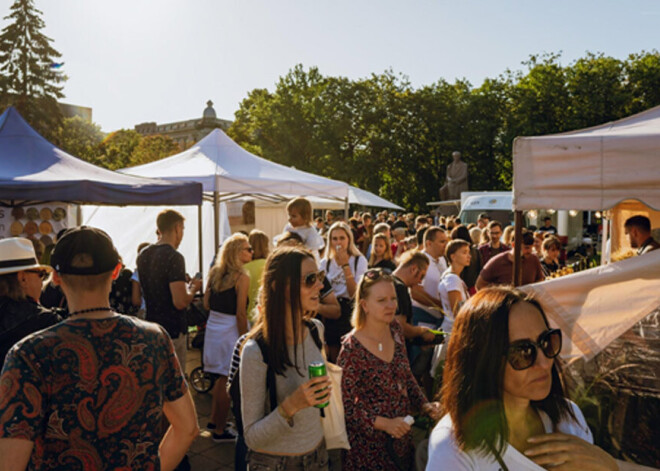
359, 317
388, 248
304, 208
485, 235
507, 235
228, 266
330, 248
475, 235
259, 243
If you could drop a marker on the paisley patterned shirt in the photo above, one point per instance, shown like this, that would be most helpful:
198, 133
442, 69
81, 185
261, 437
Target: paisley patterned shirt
90, 393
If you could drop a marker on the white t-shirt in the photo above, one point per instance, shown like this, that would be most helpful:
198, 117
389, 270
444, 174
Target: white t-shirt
311, 238
445, 454
450, 282
335, 274
431, 280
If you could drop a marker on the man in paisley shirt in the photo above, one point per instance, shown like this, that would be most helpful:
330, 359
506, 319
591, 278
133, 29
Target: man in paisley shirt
90, 392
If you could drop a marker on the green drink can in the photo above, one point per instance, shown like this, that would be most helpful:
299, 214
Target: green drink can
316, 369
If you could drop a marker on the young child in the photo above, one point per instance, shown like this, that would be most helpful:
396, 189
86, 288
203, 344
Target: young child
300, 222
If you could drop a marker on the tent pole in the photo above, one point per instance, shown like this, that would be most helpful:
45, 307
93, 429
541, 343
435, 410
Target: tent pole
78, 215
604, 256
346, 208
517, 245
199, 237
216, 222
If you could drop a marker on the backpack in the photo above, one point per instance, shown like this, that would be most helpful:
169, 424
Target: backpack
235, 386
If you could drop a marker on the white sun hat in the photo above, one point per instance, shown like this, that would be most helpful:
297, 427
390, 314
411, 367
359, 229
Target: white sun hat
17, 254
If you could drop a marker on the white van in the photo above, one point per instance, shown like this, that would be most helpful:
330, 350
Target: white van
497, 204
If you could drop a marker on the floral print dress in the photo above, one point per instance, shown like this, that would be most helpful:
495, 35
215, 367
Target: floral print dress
372, 387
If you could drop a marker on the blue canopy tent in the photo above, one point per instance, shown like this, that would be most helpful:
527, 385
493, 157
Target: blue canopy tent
32, 170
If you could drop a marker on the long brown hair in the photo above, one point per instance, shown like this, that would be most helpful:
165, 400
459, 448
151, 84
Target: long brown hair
259, 243
281, 275
473, 378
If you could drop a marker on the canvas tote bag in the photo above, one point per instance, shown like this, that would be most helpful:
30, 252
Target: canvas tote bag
334, 424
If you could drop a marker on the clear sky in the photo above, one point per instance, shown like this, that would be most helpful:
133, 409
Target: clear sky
160, 60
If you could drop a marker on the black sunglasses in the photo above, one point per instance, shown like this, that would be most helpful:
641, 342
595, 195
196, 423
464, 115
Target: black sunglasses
311, 278
521, 354
42, 273
374, 274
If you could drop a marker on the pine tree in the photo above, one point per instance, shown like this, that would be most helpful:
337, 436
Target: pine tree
29, 75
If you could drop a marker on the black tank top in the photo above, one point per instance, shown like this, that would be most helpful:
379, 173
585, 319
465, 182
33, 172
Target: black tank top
223, 301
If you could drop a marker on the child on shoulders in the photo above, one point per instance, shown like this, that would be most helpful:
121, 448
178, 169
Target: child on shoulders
300, 222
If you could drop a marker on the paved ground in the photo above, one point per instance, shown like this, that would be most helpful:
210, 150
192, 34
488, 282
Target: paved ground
204, 454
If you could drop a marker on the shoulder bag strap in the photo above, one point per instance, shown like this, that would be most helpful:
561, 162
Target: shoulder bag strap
270, 375
314, 331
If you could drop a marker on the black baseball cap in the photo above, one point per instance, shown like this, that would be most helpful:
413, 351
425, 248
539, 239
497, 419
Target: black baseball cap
84, 240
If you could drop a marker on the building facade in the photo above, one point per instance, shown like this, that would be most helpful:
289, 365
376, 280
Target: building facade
186, 133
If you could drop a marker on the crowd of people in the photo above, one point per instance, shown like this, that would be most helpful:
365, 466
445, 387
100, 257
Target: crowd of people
88, 385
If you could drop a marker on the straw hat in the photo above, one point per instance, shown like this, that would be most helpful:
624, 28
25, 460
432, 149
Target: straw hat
17, 254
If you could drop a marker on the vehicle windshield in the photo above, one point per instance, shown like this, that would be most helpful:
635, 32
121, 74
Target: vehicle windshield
472, 215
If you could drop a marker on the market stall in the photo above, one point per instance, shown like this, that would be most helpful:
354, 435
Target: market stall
40, 184
609, 315
228, 172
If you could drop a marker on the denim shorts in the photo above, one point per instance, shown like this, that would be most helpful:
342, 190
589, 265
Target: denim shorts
316, 460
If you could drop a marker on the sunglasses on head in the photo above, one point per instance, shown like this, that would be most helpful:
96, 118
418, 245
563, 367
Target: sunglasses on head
521, 354
375, 274
42, 273
311, 278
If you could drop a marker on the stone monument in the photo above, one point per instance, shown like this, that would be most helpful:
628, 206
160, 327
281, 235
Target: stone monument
457, 173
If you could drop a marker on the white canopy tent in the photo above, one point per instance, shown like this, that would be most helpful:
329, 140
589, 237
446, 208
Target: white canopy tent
227, 171
131, 225
594, 307
590, 169
222, 166
594, 169
355, 196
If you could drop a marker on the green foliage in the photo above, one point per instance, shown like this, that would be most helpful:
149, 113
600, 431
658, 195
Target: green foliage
382, 135
117, 148
643, 74
28, 79
80, 138
151, 148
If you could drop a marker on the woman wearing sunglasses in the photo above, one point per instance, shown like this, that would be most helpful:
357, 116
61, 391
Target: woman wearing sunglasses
226, 297
503, 394
378, 387
21, 280
287, 435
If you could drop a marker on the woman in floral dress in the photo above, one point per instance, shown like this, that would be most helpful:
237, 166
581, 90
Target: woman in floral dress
378, 388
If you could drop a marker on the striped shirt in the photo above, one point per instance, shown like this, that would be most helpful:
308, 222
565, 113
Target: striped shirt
235, 359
